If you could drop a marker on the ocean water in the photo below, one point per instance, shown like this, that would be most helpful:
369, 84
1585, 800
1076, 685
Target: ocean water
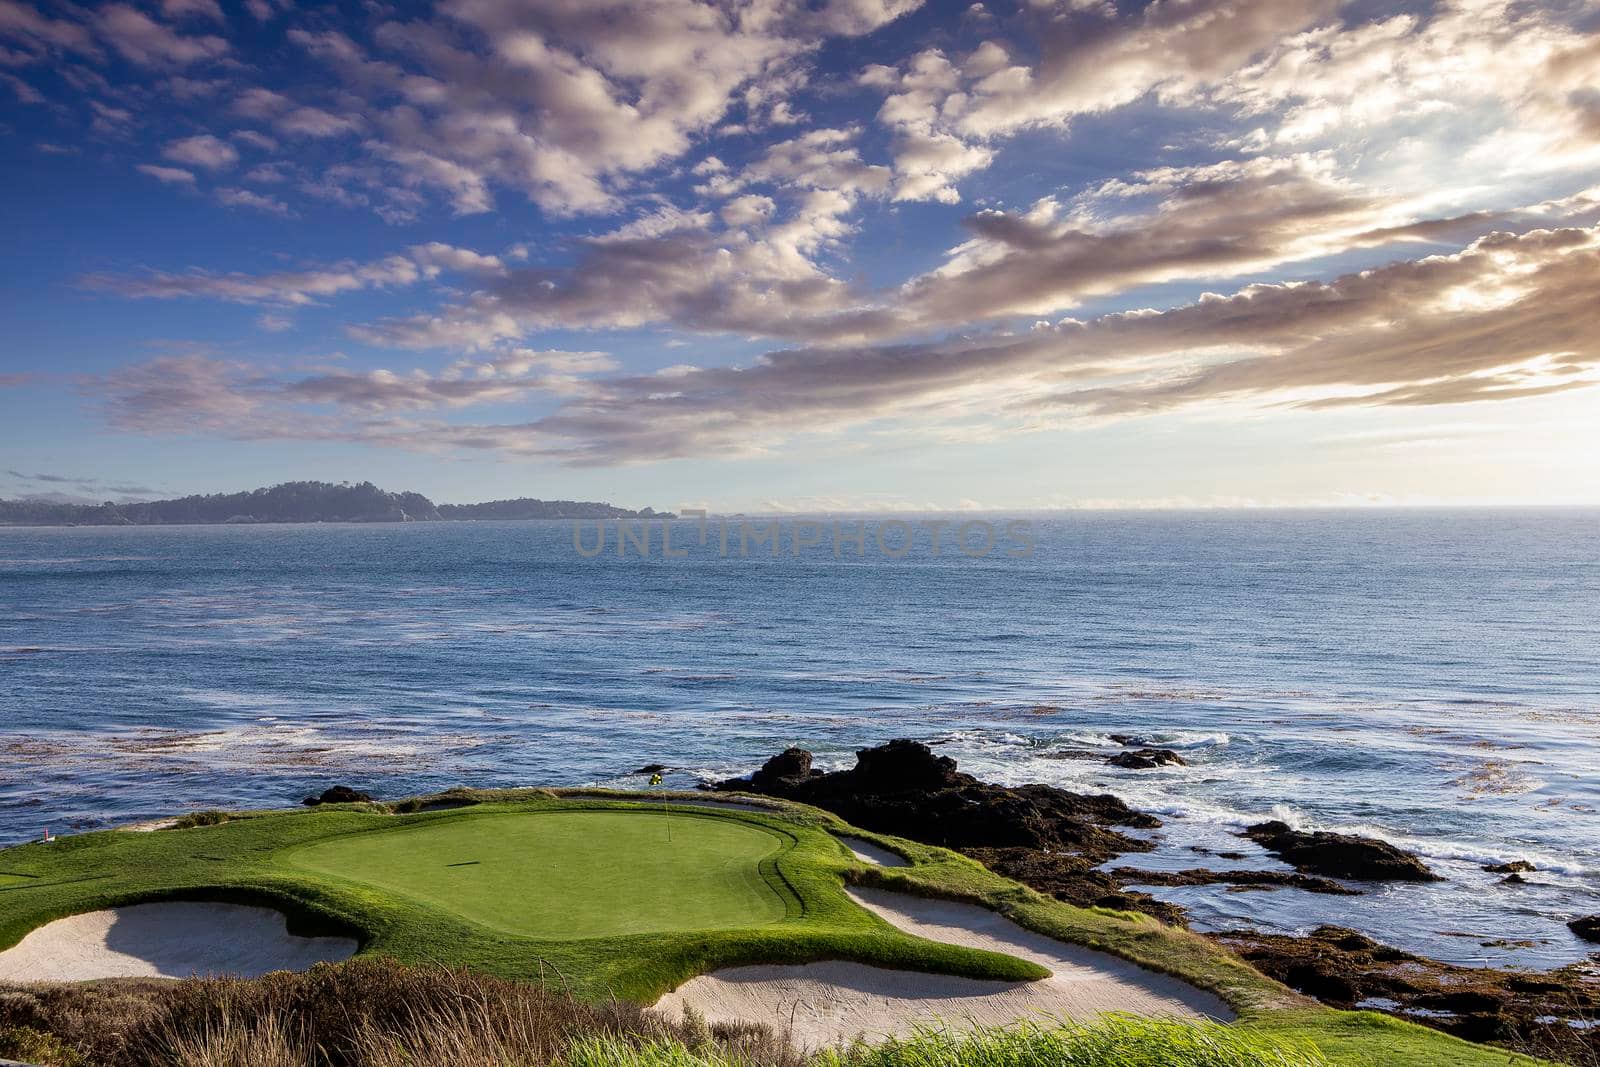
1431, 677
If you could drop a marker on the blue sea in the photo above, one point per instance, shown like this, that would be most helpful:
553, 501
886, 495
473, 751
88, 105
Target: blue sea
1430, 677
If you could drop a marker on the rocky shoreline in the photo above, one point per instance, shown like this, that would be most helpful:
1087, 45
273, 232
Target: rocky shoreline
1057, 842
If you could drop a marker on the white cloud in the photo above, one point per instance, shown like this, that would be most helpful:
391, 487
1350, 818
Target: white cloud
142, 40
256, 201
202, 150
255, 140
298, 287
205, 9
570, 98
315, 122
748, 210
166, 175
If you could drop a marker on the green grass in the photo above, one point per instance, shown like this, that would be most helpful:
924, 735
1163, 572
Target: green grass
1111, 1041
582, 891
572, 875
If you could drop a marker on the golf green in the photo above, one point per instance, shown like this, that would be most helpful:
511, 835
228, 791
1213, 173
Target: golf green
570, 875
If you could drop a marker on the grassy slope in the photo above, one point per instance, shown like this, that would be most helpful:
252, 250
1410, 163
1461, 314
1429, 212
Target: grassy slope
261, 858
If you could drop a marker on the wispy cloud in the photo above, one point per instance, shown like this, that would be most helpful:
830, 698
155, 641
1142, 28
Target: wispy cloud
301, 287
1509, 317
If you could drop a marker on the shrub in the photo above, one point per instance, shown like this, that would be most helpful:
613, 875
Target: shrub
36, 1046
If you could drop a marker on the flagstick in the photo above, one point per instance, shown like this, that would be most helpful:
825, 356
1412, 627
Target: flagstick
666, 810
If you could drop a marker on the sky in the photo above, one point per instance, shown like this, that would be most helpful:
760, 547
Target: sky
804, 255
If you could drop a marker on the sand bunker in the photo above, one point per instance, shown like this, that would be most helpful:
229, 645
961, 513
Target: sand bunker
167, 940
822, 1004
877, 855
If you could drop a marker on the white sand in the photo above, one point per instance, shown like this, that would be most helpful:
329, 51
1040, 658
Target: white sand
877, 855
168, 940
823, 1004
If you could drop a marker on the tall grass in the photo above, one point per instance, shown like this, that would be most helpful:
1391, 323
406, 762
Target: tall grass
1110, 1041
377, 1013
362, 1013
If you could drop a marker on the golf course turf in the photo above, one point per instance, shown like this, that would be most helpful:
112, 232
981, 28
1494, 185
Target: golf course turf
571, 875
586, 892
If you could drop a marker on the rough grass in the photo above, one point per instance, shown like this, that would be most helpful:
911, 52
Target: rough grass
1113, 1041
362, 1013
377, 1013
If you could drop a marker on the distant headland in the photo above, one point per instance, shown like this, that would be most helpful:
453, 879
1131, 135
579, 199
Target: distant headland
301, 502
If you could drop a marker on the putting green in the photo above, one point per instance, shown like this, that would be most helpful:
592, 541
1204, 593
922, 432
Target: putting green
570, 875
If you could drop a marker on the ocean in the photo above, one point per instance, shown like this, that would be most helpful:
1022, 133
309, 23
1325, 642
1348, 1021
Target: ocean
1428, 676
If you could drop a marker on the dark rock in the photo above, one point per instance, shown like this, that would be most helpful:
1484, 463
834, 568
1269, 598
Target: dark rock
1046, 837
1525, 983
1124, 739
1339, 855
651, 768
1514, 867
1587, 927
1342, 967
1145, 758
792, 765
903, 788
904, 765
1249, 879
1328, 986
1074, 753
1513, 879
1074, 880
1462, 1001
339, 794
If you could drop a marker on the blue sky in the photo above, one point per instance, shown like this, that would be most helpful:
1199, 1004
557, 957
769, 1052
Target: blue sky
824, 255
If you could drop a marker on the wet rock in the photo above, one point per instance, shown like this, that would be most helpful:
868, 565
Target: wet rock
1146, 758
903, 788
339, 794
1514, 867
1326, 985
1250, 879
1462, 1001
1513, 879
1074, 880
785, 770
1587, 927
906, 765
1347, 969
1339, 855
1074, 753
1046, 837
651, 768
